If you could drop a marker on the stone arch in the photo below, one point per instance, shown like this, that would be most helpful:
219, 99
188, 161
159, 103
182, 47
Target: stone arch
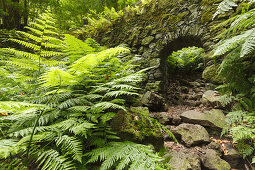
165, 26
174, 45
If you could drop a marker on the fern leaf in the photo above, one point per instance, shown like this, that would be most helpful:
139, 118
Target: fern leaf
57, 77
139, 156
119, 93
70, 145
27, 44
249, 45
51, 159
231, 43
107, 105
224, 6
30, 36
22, 53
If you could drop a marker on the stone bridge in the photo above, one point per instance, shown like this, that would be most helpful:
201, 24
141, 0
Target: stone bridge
163, 27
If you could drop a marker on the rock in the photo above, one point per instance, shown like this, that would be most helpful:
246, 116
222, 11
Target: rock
210, 98
234, 158
215, 146
154, 102
212, 161
191, 134
147, 40
184, 160
162, 117
128, 126
195, 84
210, 74
214, 118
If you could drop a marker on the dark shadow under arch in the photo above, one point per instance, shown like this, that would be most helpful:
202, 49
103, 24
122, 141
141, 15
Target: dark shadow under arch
175, 45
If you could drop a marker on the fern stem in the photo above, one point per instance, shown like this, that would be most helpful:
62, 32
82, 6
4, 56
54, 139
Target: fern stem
37, 120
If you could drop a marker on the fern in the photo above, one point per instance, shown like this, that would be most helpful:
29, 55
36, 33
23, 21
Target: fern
51, 159
71, 145
125, 154
225, 6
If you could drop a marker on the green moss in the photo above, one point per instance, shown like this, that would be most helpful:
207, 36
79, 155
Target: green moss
208, 14
137, 126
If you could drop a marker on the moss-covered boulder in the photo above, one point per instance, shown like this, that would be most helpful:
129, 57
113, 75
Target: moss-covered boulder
214, 118
136, 125
183, 160
191, 135
210, 73
211, 160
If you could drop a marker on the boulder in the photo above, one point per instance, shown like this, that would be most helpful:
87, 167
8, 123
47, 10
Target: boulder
162, 117
147, 40
211, 160
210, 74
212, 98
214, 118
184, 160
234, 158
128, 126
154, 102
191, 134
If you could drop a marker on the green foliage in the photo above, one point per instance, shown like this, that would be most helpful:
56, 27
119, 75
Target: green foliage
237, 71
186, 59
122, 155
70, 115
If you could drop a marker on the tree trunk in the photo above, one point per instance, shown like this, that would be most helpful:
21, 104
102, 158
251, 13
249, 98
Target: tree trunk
25, 15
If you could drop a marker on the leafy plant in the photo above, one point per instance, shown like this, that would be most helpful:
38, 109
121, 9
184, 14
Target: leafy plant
237, 71
186, 59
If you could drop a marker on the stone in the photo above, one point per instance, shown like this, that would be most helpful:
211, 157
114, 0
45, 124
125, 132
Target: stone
211, 98
191, 134
154, 102
147, 40
128, 126
210, 74
162, 117
214, 118
234, 158
212, 161
153, 86
183, 160
215, 146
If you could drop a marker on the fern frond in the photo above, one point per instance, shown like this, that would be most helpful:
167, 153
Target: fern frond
36, 31
22, 53
57, 77
120, 93
30, 36
21, 63
70, 145
27, 44
225, 6
107, 105
90, 61
7, 148
51, 159
125, 86
72, 102
82, 128
249, 45
125, 154
53, 46
50, 53
231, 43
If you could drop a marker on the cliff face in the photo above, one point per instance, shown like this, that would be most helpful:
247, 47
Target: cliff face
164, 26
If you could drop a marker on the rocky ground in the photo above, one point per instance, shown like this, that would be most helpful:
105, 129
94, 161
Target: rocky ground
196, 117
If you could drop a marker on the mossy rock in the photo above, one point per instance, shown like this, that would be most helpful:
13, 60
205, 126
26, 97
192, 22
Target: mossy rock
210, 73
147, 40
137, 126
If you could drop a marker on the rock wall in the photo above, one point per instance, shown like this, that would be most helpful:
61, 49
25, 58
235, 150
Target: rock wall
164, 26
